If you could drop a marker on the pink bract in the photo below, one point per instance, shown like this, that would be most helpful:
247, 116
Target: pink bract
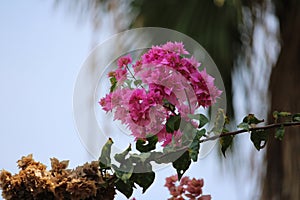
165, 74
191, 188
124, 61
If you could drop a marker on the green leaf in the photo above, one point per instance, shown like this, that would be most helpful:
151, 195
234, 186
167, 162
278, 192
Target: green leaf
128, 82
251, 119
124, 172
284, 114
194, 150
279, 115
104, 159
275, 116
143, 179
168, 105
125, 188
173, 123
148, 145
227, 120
160, 157
120, 157
142, 157
182, 164
219, 122
200, 117
200, 133
279, 133
113, 82
259, 138
244, 126
138, 82
296, 117
226, 142
195, 145
156, 156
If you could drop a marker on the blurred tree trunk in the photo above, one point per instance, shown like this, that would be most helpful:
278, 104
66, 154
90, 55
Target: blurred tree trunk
282, 180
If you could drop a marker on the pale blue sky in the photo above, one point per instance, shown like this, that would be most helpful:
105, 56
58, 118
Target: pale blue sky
41, 51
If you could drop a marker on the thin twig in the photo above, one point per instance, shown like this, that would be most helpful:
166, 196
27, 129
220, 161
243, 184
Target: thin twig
270, 126
133, 76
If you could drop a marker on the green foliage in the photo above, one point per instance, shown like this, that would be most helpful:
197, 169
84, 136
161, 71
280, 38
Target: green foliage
201, 118
277, 114
137, 82
259, 138
296, 117
182, 164
124, 172
244, 126
252, 120
219, 122
113, 82
173, 123
148, 145
141, 173
120, 157
195, 145
248, 122
165, 157
104, 159
125, 188
128, 83
226, 142
279, 133
136, 168
281, 115
144, 177
168, 105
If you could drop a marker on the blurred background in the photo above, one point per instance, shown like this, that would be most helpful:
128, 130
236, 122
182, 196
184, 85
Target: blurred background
255, 44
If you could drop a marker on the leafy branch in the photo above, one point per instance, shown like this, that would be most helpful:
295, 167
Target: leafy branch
134, 169
269, 126
259, 135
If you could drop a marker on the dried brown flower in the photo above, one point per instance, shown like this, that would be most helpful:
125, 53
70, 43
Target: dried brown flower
35, 182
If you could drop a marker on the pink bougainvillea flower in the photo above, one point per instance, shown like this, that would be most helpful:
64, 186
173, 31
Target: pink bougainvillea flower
139, 107
168, 76
214, 92
176, 47
105, 102
167, 138
192, 60
124, 61
146, 113
140, 111
121, 74
168, 55
191, 188
205, 197
116, 99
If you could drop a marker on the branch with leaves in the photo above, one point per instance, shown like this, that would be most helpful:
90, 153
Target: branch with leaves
158, 98
258, 134
100, 179
130, 164
267, 127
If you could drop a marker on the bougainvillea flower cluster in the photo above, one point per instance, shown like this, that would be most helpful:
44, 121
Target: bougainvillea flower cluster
164, 82
189, 188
